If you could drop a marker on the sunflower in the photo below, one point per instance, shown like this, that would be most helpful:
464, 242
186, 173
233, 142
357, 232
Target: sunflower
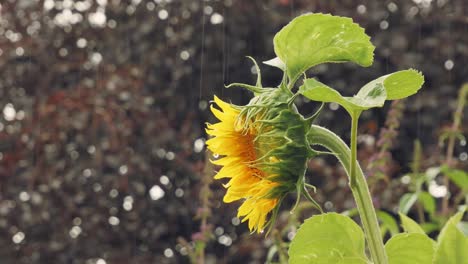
262, 154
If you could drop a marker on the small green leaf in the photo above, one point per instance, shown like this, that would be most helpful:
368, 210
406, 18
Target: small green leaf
459, 177
369, 97
312, 39
317, 91
328, 238
365, 99
430, 227
276, 62
409, 225
427, 201
388, 87
407, 201
452, 244
409, 248
399, 84
388, 221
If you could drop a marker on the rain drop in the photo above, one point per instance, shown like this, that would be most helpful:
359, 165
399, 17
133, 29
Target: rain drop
198, 145
449, 65
216, 19
163, 14
114, 221
168, 253
18, 237
156, 193
361, 9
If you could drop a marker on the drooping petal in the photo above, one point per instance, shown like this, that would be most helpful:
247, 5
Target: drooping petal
247, 182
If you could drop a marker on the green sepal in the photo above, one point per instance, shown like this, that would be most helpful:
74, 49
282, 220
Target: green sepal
252, 88
282, 146
257, 89
315, 115
312, 200
272, 220
259, 74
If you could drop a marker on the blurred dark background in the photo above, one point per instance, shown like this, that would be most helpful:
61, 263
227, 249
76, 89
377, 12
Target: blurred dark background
103, 105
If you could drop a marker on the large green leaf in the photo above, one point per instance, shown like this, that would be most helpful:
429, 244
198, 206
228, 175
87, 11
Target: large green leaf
328, 238
409, 225
399, 84
409, 248
313, 39
452, 244
365, 99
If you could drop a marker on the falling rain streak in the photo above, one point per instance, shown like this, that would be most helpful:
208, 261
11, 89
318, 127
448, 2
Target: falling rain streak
103, 105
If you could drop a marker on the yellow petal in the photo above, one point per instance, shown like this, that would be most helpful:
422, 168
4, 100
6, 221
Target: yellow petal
224, 106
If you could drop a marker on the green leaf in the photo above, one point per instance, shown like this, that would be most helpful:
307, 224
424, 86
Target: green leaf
388, 87
351, 212
409, 225
388, 221
407, 201
365, 99
459, 177
271, 253
312, 39
276, 62
427, 201
452, 244
463, 226
328, 238
430, 227
399, 84
409, 248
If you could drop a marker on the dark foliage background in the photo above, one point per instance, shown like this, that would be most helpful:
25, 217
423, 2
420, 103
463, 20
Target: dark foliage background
104, 104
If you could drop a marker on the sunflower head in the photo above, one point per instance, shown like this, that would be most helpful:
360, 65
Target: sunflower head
263, 149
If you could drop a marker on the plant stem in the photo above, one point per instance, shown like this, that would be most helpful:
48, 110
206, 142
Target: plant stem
324, 137
205, 194
415, 173
282, 255
352, 169
457, 116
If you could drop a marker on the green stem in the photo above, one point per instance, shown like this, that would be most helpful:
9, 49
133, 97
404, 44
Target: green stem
279, 245
354, 126
324, 137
